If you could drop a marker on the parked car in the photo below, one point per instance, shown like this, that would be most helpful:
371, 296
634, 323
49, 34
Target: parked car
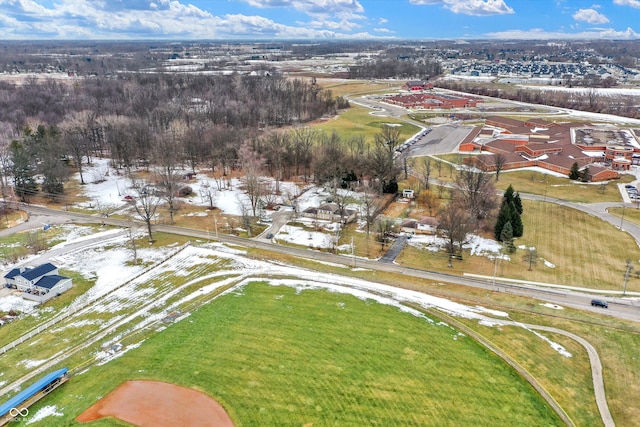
599, 303
270, 236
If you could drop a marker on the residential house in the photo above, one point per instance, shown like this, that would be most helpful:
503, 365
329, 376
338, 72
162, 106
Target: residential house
331, 212
424, 225
39, 283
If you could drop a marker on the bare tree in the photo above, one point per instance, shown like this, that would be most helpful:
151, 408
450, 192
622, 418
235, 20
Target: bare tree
278, 147
476, 193
499, 160
382, 165
430, 200
442, 186
303, 141
422, 169
75, 136
146, 204
389, 137
208, 193
252, 184
455, 224
170, 183
245, 214
439, 167
370, 207
133, 246
384, 226
531, 257
167, 156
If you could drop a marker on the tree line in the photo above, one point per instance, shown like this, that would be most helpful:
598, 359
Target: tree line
588, 100
136, 120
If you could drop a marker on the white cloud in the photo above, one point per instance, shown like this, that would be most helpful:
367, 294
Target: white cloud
334, 25
382, 21
328, 8
591, 16
159, 19
632, 3
383, 30
335, 14
471, 7
539, 34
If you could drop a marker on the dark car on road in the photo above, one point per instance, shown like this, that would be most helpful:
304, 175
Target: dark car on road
599, 303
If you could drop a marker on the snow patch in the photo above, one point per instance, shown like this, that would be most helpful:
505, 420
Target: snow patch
47, 411
554, 306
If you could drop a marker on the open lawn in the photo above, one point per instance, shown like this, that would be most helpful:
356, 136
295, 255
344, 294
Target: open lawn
344, 87
573, 392
542, 184
562, 188
272, 355
627, 214
574, 249
357, 122
617, 347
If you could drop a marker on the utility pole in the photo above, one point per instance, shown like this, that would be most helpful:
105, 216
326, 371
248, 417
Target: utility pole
353, 252
626, 276
622, 218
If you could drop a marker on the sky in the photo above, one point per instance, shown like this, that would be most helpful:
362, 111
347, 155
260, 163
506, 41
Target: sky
318, 19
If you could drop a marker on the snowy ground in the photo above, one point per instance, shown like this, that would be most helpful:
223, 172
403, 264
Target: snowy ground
106, 188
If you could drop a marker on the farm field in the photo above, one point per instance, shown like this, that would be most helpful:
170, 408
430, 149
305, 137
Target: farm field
277, 355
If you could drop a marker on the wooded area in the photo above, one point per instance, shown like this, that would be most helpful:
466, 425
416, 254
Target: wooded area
141, 119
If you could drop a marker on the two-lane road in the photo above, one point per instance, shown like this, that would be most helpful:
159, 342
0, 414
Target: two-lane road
624, 309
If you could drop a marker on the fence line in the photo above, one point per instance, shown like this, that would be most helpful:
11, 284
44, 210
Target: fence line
75, 308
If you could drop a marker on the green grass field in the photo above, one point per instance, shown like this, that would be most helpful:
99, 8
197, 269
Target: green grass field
356, 122
580, 250
274, 356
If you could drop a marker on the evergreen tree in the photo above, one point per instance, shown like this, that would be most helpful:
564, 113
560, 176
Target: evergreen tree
23, 171
516, 221
585, 177
507, 237
509, 194
575, 171
517, 202
504, 216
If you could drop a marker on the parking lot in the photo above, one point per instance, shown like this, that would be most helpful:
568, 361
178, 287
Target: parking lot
630, 193
440, 140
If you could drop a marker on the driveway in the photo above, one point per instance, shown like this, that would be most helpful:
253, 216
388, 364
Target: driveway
278, 220
394, 250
